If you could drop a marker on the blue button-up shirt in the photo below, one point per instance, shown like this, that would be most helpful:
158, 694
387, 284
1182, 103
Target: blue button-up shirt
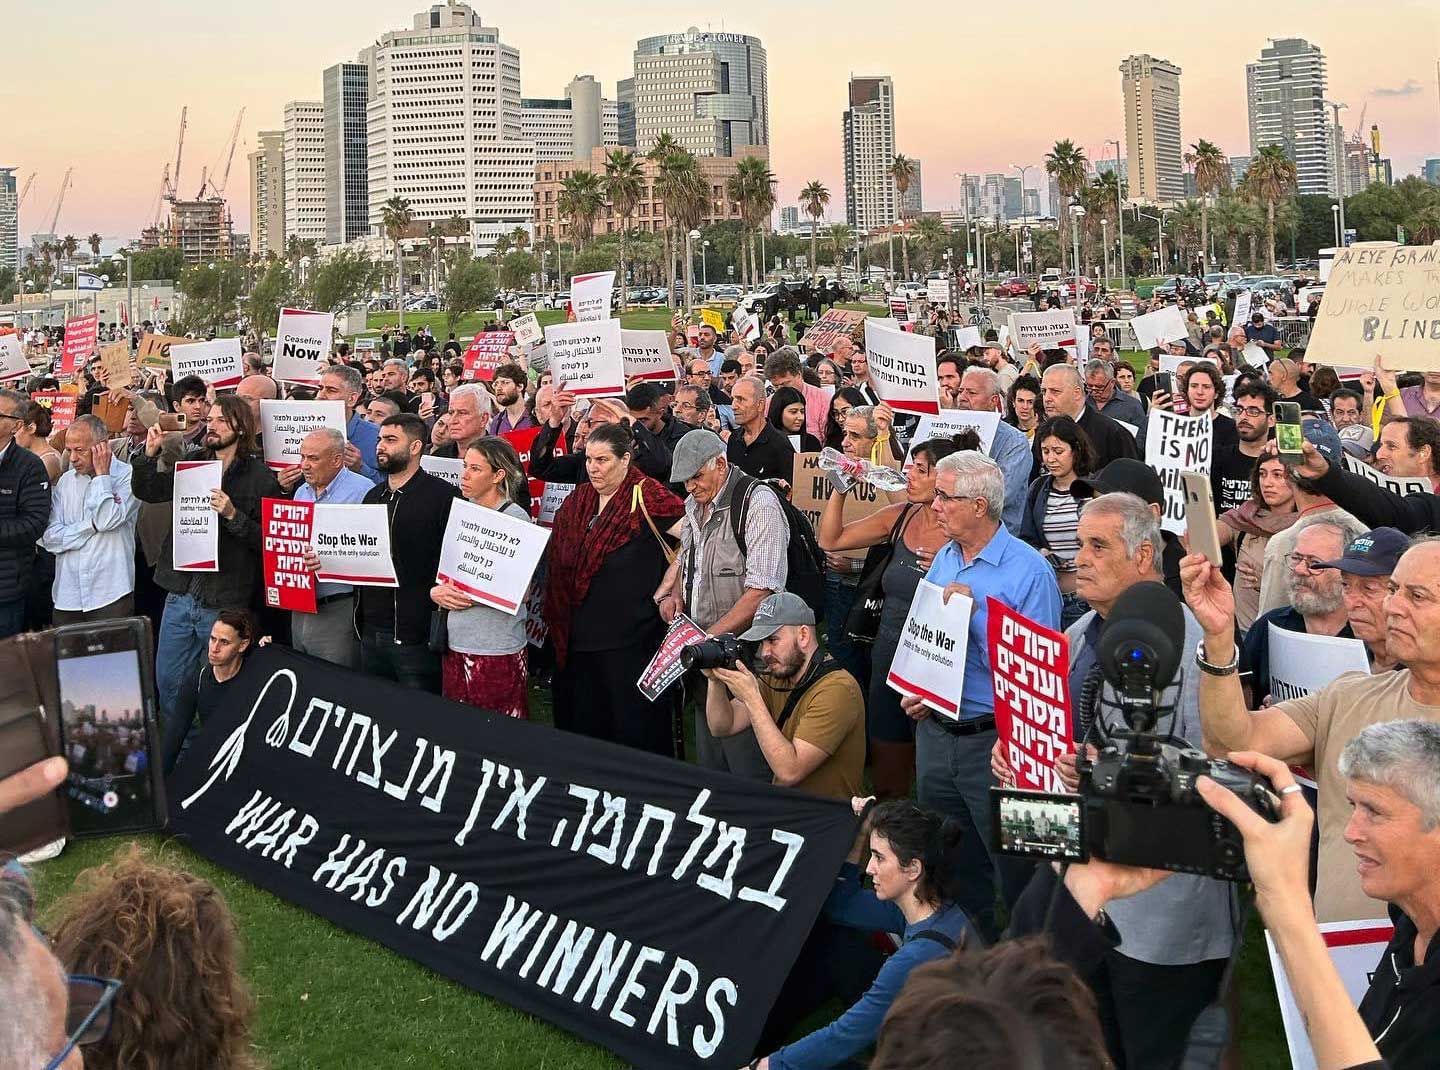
363, 435
1016, 575
347, 488
1010, 449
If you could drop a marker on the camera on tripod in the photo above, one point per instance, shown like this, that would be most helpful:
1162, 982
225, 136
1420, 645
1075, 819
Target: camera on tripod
724, 651
1137, 804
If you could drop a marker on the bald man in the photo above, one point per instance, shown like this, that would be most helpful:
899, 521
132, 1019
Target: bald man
1062, 392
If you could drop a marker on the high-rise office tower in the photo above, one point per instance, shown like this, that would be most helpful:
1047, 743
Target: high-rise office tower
304, 153
1151, 91
869, 130
267, 193
1285, 96
345, 92
9, 220
709, 91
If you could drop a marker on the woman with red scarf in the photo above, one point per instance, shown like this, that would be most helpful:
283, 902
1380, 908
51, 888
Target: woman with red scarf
604, 562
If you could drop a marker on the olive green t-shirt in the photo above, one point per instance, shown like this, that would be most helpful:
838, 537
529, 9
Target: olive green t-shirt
831, 716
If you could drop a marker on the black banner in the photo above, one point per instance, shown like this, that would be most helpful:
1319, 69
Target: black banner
644, 904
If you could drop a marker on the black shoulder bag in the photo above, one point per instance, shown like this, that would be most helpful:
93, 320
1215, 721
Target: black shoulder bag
863, 623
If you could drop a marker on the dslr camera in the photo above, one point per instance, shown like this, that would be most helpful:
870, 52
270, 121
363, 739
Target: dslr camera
1137, 804
724, 651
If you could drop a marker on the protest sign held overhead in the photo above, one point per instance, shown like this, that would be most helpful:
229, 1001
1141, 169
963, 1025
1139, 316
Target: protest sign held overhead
930, 660
902, 366
1156, 328
711, 317
937, 292
1382, 300
194, 525
353, 544
115, 370
486, 352
586, 357
219, 363
81, 334
591, 295
490, 556
62, 405
1241, 315
13, 364
527, 329
302, 343
647, 355
835, 324
810, 489
285, 528
284, 424
1032, 700
1053, 329
1175, 444
155, 349
533, 865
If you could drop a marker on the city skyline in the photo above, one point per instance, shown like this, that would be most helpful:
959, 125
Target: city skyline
118, 151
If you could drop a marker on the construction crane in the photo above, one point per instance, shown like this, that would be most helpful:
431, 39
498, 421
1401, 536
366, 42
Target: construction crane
60, 200
170, 182
217, 189
29, 181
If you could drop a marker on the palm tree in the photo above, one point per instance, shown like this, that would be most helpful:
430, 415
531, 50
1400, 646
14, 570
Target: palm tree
752, 187
70, 245
1212, 174
1270, 179
903, 171
395, 220
814, 198
624, 186
664, 146
580, 201
520, 239
94, 242
684, 193
1066, 165
841, 238
933, 237
1426, 224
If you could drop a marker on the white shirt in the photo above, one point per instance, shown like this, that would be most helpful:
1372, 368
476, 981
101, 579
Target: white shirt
92, 535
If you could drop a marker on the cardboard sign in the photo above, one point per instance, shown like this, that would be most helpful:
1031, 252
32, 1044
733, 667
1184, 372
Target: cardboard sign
1175, 444
587, 357
285, 527
1053, 329
1032, 696
115, 370
284, 424
486, 352
1380, 300
1401, 485
810, 489
490, 556
527, 329
1156, 328
302, 344
194, 526
219, 363
665, 668
61, 403
590, 296
155, 349
949, 422
930, 660
835, 324
81, 334
647, 355
353, 544
902, 367
13, 364
1355, 948
447, 468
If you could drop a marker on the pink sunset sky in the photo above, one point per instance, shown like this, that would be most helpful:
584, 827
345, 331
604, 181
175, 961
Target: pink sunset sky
977, 87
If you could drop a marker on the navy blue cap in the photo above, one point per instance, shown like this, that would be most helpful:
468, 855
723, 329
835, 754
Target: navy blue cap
1376, 553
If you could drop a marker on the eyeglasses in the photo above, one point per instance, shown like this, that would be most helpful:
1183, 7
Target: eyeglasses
12, 416
1250, 410
92, 1002
1303, 560
940, 495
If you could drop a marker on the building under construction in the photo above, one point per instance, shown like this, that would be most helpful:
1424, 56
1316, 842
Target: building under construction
201, 228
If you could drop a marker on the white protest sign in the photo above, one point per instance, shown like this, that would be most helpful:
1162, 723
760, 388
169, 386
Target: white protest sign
746, 325
587, 357
1254, 355
1394, 484
194, 526
647, 355
966, 337
1053, 329
284, 423
1170, 362
937, 292
1241, 315
13, 364
353, 544
1383, 300
1355, 948
1156, 328
1002, 337
949, 422
447, 468
302, 341
590, 295
902, 366
929, 663
527, 329
219, 363
551, 500
1301, 663
1175, 444
490, 556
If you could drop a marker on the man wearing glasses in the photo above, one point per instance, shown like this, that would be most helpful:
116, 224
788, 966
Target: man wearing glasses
24, 513
1232, 465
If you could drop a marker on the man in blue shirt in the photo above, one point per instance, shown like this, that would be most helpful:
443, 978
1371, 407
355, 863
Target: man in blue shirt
329, 632
344, 384
952, 758
1262, 334
981, 391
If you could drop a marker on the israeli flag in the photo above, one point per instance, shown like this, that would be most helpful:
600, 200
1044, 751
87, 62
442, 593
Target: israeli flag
86, 281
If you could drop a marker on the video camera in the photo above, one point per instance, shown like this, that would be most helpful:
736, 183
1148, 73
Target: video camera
1137, 804
724, 651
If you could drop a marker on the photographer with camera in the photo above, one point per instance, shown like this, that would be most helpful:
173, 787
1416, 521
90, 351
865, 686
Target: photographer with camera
806, 713
1313, 729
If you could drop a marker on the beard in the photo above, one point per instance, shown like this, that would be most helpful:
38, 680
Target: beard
786, 668
391, 463
1309, 602
216, 441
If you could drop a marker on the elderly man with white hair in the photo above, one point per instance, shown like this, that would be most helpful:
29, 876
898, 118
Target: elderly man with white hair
1062, 392
652, 455
982, 390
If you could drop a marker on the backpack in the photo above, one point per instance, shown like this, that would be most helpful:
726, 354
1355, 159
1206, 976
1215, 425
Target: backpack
804, 561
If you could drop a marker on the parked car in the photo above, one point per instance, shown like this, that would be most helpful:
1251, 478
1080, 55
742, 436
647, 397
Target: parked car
1012, 287
1188, 284
1088, 287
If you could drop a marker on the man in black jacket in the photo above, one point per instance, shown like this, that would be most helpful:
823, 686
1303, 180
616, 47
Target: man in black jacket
652, 455
195, 598
1062, 391
1372, 505
394, 622
24, 512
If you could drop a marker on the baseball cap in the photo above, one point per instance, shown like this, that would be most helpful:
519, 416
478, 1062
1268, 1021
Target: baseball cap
1376, 553
1126, 475
1357, 440
1323, 437
692, 452
775, 612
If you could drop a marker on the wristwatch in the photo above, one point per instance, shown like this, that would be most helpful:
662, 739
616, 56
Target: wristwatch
1216, 670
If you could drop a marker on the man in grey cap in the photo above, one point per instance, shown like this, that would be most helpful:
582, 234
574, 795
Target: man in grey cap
718, 580
806, 713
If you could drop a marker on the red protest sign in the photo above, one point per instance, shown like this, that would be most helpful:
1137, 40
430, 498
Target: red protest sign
523, 441
1032, 696
285, 527
81, 336
665, 667
488, 351
61, 404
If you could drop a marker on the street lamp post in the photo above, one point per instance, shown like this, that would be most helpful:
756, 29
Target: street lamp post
705, 265
129, 289
1120, 212
1105, 244
1339, 173
1335, 219
1079, 214
1024, 218
691, 236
